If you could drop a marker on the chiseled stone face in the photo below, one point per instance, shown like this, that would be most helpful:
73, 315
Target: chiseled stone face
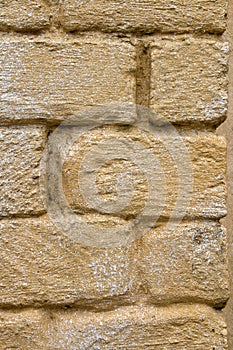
188, 79
206, 154
46, 79
24, 15
21, 149
185, 264
40, 266
137, 328
145, 16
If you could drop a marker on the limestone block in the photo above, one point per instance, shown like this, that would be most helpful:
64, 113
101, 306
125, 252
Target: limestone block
185, 263
203, 169
22, 330
137, 328
189, 82
24, 15
145, 16
40, 265
21, 149
52, 80
196, 327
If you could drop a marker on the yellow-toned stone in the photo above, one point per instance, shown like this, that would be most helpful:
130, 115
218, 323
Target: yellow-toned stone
137, 328
145, 16
205, 173
40, 265
23, 330
21, 149
189, 82
24, 15
185, 263
53, 79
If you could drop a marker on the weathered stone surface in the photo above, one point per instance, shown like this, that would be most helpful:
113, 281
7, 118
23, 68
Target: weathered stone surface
189, 81
22, 330
138, 328
141, 328
145, 16
39, 266
52, 80
21, 149
206, 169
24, 15
185, 263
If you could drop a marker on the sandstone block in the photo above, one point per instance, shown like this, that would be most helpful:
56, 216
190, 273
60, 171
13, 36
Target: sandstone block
22, 330
40, 265
189, 83
142, 327
185, 263
21, 149
195, 184
145, 16
24, 15
52, 80
136, 328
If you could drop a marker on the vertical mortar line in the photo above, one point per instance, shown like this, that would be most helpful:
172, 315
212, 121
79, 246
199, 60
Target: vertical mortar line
143, 82
143, 73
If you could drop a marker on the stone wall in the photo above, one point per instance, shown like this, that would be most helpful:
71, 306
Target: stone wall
166, 288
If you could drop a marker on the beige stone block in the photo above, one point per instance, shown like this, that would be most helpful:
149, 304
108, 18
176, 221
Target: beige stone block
189, 83
24, 15
198, 179
136, 327
186, 263
145, 16
139, 328
41, 266
21, 149
22, 330
52, 80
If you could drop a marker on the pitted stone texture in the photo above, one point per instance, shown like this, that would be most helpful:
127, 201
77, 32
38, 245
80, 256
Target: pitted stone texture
24, 15
21, 149
186, 263
137, 328
52, 80
145, 16
206, 169
189, 83
40, 266
23, 330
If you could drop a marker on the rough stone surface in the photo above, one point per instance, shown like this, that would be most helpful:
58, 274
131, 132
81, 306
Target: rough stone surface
137, 328
145, 16
206, 170
21, 149
188, 82
22, 330
39, 266
24, 15
52, 80
185, 263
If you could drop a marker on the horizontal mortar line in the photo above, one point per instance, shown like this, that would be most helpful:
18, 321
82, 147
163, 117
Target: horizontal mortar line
164, 220
51, 125
67, 35
70, 307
